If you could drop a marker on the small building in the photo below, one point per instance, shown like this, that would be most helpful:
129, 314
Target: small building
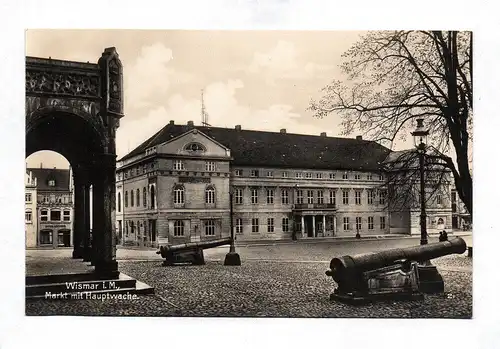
30, 212
54, 207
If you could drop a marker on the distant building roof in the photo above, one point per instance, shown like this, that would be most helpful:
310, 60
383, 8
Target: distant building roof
44, 176
281, 149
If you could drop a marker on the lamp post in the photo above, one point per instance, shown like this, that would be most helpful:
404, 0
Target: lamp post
232, 257
430, 279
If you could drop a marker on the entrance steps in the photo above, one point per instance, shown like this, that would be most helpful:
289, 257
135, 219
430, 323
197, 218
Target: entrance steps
82, 285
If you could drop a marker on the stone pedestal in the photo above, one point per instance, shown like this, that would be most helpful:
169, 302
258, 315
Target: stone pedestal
429, 279
232, 258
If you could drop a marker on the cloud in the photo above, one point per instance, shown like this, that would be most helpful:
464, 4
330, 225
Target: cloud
283, 62
148, 79
224, 111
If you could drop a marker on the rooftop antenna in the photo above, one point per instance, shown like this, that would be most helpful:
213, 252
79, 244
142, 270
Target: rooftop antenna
204, 114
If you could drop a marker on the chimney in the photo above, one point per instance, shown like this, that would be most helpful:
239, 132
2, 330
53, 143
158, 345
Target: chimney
283, 130
359, 138
237, 127
41, 165
323, 134
171, 122
190, 124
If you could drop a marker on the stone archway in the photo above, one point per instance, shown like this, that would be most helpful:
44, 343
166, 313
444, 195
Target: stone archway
74, 108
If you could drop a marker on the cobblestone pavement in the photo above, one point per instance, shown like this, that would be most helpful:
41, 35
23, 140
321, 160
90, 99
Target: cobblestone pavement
273, 281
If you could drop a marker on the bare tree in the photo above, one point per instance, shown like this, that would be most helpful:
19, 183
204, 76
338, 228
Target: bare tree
396, 77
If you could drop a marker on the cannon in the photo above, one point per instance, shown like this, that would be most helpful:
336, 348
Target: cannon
190, 252
396, 273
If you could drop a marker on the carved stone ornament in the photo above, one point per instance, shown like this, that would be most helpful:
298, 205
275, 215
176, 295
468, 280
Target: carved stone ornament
115, 87
66, 84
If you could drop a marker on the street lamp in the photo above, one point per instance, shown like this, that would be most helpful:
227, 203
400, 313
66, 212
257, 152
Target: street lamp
420, 140
430, 279
232, 257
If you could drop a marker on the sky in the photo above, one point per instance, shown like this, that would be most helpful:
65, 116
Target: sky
261, 80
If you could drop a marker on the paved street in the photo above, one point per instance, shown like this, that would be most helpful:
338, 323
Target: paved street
274, 280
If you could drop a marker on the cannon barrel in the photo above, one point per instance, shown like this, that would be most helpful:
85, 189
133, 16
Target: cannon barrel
194, 245
345, 267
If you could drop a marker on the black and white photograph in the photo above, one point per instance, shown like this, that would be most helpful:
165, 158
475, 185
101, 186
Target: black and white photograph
249, 174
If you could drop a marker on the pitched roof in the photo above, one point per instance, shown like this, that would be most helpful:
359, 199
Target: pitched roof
44, 175
275, 149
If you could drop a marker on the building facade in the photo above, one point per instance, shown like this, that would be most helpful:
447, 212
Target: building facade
176, 187
461, 219
30, 212
54, 207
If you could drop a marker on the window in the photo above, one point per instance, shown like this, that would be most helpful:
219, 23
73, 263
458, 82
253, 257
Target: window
270, 196
238, 173
152, 202
347, 226
369, 176
300, 197
284, 197
46, 237
358, 223
27, 216
309, 175
210, 166
44, 215
52, 183
210, 195
179, 195
196, 147
299, 175
370, 223
345, 175
119, 203
319, 175
126, 199
333, 200
269, 173
131, 198
310, 196
210, 227
332, 175
138, 197
27, 197
254, 173
284, 174
238, 196
178, 165
439, 199
144, 197
55, 215
357, 197
285, 225
382, 222
382, 197
66, 215
320, 197
255, 225
345, 197
255, 196
239, 226
270, 225
357, 176
179, 228
370, 194
380, 177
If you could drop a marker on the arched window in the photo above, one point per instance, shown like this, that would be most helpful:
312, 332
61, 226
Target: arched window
210, 195
126, 199
440, 221
179, 228
152, 196
195, 147
119, 203
179, 195
131, 198
144, 197
138, 197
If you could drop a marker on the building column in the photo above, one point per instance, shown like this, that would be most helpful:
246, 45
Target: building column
78, 217
302, 226
86, 247
103, 216
314, 226
324, 225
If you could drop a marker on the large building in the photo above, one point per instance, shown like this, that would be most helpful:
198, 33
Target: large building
54, 207
30, 212
176, 186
